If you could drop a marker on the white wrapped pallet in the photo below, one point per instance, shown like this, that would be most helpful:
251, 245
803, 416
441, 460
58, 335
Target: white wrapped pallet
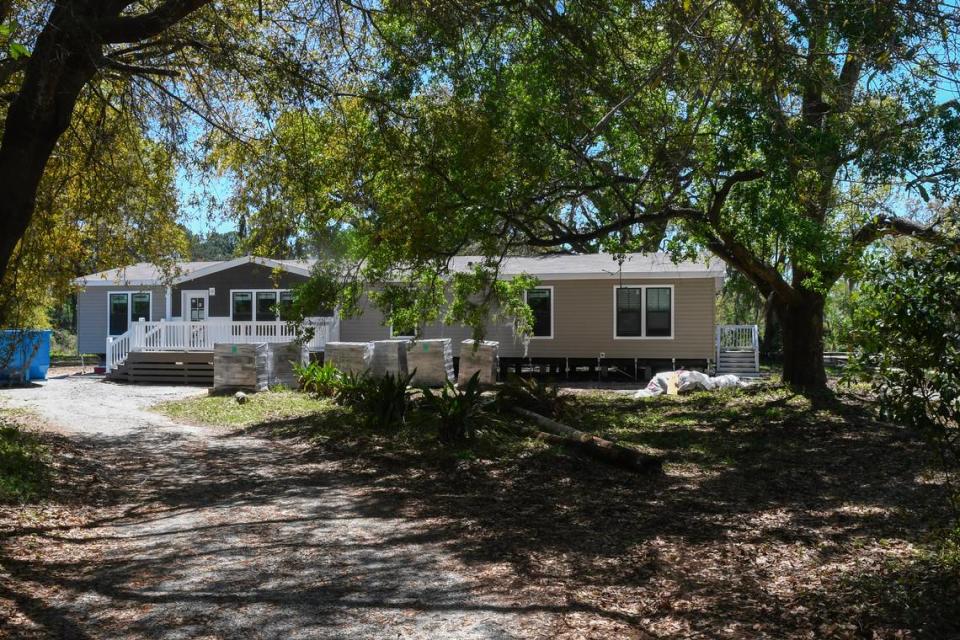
241, 367
349, 357
478, 356
389, 357
283, 355
432, 360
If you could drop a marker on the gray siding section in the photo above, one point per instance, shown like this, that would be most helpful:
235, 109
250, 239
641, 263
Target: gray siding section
244, 276
92, 314
583, 323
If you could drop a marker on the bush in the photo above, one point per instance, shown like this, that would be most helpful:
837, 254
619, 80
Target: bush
532, 394
456, 409
382, 401
908, 327
320, 380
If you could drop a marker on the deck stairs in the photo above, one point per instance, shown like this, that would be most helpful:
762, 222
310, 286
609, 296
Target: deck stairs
738, 350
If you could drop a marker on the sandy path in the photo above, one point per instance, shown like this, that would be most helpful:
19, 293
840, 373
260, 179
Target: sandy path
226, 536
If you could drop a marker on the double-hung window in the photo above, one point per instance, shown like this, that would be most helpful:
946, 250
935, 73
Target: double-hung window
643, 311
124, 307
540, 301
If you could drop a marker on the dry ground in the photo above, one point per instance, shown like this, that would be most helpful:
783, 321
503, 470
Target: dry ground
776, 518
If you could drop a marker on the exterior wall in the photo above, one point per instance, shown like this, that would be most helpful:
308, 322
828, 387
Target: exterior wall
583, 313
244, 276
92, 314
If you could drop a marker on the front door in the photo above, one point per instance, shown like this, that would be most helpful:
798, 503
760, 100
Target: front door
195, 305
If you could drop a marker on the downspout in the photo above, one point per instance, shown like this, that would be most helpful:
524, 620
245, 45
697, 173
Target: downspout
168, 303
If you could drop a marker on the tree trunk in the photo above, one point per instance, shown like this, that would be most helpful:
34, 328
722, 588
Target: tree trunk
770, 342
801, 323
62, 62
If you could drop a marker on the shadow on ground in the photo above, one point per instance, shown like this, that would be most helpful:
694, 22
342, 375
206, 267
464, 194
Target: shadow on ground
774, 519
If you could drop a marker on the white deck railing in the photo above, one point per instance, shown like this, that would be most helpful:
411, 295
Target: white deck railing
739, 337
181, 335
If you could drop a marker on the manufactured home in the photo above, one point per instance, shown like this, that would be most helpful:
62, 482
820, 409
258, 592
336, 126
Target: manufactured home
644, 314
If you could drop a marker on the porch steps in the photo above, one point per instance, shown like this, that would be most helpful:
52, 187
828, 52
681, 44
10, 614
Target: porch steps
166, 367
739, 362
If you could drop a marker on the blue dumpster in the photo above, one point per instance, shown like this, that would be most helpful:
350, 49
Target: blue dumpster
18, 348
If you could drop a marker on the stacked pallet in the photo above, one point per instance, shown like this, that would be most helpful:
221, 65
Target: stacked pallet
349, 357
432, 360
478, 357
283, 357
389, 357
241, 367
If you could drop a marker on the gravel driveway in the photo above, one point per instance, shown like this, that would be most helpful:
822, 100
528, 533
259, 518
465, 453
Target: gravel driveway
218, 535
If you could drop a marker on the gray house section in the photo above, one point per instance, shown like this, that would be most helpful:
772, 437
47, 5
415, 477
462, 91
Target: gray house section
93, 313
247, 276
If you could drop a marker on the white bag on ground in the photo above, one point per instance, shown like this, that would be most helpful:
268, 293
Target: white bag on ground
482, 359
432, 362
349, 357
687, 381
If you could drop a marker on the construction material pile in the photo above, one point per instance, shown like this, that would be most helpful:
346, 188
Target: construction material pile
432, 360
478, 356
349, 357
255, 366
389, 357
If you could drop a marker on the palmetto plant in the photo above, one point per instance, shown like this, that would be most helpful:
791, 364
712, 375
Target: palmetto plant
381, 400
320, 380
456, 409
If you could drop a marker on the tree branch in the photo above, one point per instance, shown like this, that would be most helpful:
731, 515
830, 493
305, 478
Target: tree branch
121, 29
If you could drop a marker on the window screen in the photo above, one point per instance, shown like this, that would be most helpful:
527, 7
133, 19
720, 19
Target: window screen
540, 303
629, 312
658, 312
266, 306
242, 305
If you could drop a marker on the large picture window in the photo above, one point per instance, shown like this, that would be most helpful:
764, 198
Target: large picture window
540, 301
124, 307
266, 306
241, 306
642, 311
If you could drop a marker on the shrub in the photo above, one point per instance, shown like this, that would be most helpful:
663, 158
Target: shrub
320, 380
381, 400
908, 326
532, 394
456, 409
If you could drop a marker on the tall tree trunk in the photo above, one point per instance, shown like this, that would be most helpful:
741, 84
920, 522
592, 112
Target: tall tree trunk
801, 323
770, 342
62, 62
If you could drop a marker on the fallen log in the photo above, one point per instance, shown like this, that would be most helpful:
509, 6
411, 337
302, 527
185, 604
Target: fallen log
595, 446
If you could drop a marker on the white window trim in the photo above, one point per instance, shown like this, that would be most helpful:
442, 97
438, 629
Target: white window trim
130, 320
253, 302
643, 314
399, 337
185, 296
552, 313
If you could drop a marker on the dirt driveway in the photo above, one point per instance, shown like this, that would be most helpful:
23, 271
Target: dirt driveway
217, 535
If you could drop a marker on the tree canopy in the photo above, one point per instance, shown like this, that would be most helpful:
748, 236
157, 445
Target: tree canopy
786, 138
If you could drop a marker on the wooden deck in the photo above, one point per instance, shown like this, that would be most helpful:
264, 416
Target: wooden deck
166, 367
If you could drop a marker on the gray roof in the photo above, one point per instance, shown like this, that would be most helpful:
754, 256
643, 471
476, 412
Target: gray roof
637, 265
595, 264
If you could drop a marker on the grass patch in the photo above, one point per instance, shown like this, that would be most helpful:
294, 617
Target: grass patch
225, 411
24, 462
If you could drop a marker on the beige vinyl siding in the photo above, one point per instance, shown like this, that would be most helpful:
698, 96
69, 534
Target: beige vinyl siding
583, 323
92, 314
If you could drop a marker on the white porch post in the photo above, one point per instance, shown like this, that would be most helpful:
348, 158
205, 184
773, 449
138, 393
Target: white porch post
168, 303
